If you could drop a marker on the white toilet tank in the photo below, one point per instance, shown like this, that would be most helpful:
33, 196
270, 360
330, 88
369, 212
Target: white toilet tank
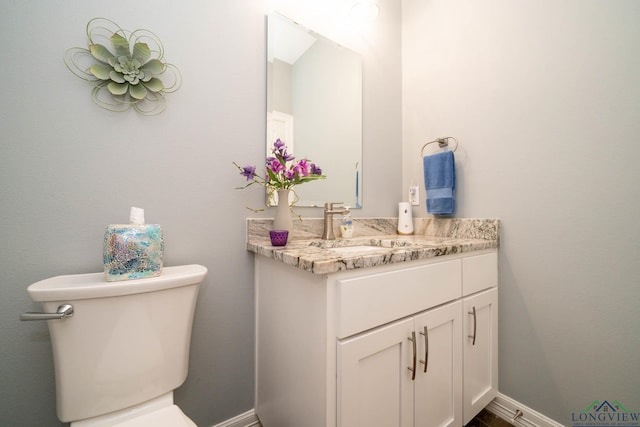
126, 343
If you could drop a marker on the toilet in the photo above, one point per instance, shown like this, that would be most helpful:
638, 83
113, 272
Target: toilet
125, 347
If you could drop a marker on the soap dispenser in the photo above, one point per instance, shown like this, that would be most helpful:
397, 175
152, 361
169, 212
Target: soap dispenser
346, 227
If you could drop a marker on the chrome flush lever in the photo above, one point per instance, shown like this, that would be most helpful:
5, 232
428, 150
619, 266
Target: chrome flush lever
64, 311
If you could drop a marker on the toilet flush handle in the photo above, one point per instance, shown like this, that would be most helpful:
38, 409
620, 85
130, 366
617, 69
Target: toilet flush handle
64, 311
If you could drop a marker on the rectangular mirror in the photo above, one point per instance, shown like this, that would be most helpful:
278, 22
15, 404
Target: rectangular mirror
314, 105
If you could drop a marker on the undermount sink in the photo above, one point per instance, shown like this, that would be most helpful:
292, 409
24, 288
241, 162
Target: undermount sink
359, 248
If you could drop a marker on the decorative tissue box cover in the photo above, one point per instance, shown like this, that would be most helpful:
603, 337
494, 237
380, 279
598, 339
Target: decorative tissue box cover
132, 252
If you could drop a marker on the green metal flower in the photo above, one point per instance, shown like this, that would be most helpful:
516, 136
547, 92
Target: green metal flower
127, 71
124, 77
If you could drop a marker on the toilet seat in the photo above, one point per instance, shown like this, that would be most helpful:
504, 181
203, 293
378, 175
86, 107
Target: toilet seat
170, 416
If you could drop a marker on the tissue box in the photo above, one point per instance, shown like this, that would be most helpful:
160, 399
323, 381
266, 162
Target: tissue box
132, 252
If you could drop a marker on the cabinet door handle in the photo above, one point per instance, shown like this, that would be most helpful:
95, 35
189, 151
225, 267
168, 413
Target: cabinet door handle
473, 313
425, 334
413, 369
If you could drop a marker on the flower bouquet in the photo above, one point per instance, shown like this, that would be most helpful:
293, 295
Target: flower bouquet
281, 171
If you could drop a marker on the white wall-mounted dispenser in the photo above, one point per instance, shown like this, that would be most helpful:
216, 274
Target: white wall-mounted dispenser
405, 218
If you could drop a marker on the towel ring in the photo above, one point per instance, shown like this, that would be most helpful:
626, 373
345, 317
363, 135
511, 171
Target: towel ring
442, 143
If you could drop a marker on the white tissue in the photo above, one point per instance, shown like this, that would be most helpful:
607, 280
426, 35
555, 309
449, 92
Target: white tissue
136, 216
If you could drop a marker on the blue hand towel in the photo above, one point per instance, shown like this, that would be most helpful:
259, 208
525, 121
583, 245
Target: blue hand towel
440, 182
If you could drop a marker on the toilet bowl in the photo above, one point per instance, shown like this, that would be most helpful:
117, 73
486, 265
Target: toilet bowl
125, 347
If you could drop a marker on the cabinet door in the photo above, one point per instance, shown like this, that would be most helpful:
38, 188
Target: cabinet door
438, 386
374, 383
480, 352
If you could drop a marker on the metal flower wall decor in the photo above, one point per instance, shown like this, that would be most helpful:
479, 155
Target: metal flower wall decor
132, 74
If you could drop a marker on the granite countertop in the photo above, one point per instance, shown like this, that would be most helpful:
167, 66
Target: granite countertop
432, 237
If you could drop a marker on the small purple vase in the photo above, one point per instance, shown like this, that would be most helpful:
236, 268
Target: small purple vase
279, 237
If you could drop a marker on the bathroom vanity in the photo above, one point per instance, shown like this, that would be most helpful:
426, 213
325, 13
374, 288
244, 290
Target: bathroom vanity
379, 330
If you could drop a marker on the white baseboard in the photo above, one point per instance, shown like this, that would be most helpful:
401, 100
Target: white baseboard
506, 408
502, 406
248, 419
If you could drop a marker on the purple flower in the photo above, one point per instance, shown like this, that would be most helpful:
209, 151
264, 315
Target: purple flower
278, 145
290, 174
315, 170
275, 166
280, 151
249, 172
302, 168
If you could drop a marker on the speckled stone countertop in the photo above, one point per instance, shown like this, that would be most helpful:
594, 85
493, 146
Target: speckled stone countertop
432, 237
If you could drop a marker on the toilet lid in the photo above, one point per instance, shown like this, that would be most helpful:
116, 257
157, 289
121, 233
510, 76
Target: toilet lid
169, 416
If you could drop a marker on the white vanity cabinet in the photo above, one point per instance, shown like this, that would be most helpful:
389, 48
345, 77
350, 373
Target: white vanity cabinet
351, 348
480, 354
382, 380
480, 350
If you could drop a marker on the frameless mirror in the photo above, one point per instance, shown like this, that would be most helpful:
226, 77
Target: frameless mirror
314, 105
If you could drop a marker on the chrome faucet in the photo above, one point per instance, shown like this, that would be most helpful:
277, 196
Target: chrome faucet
329, 211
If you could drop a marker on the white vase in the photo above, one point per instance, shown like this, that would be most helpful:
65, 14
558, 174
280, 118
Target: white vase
282, 219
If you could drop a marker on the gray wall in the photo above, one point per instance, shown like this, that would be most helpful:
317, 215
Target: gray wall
544, 97
69, 168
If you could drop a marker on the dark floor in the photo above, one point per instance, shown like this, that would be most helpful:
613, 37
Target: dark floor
487, 419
